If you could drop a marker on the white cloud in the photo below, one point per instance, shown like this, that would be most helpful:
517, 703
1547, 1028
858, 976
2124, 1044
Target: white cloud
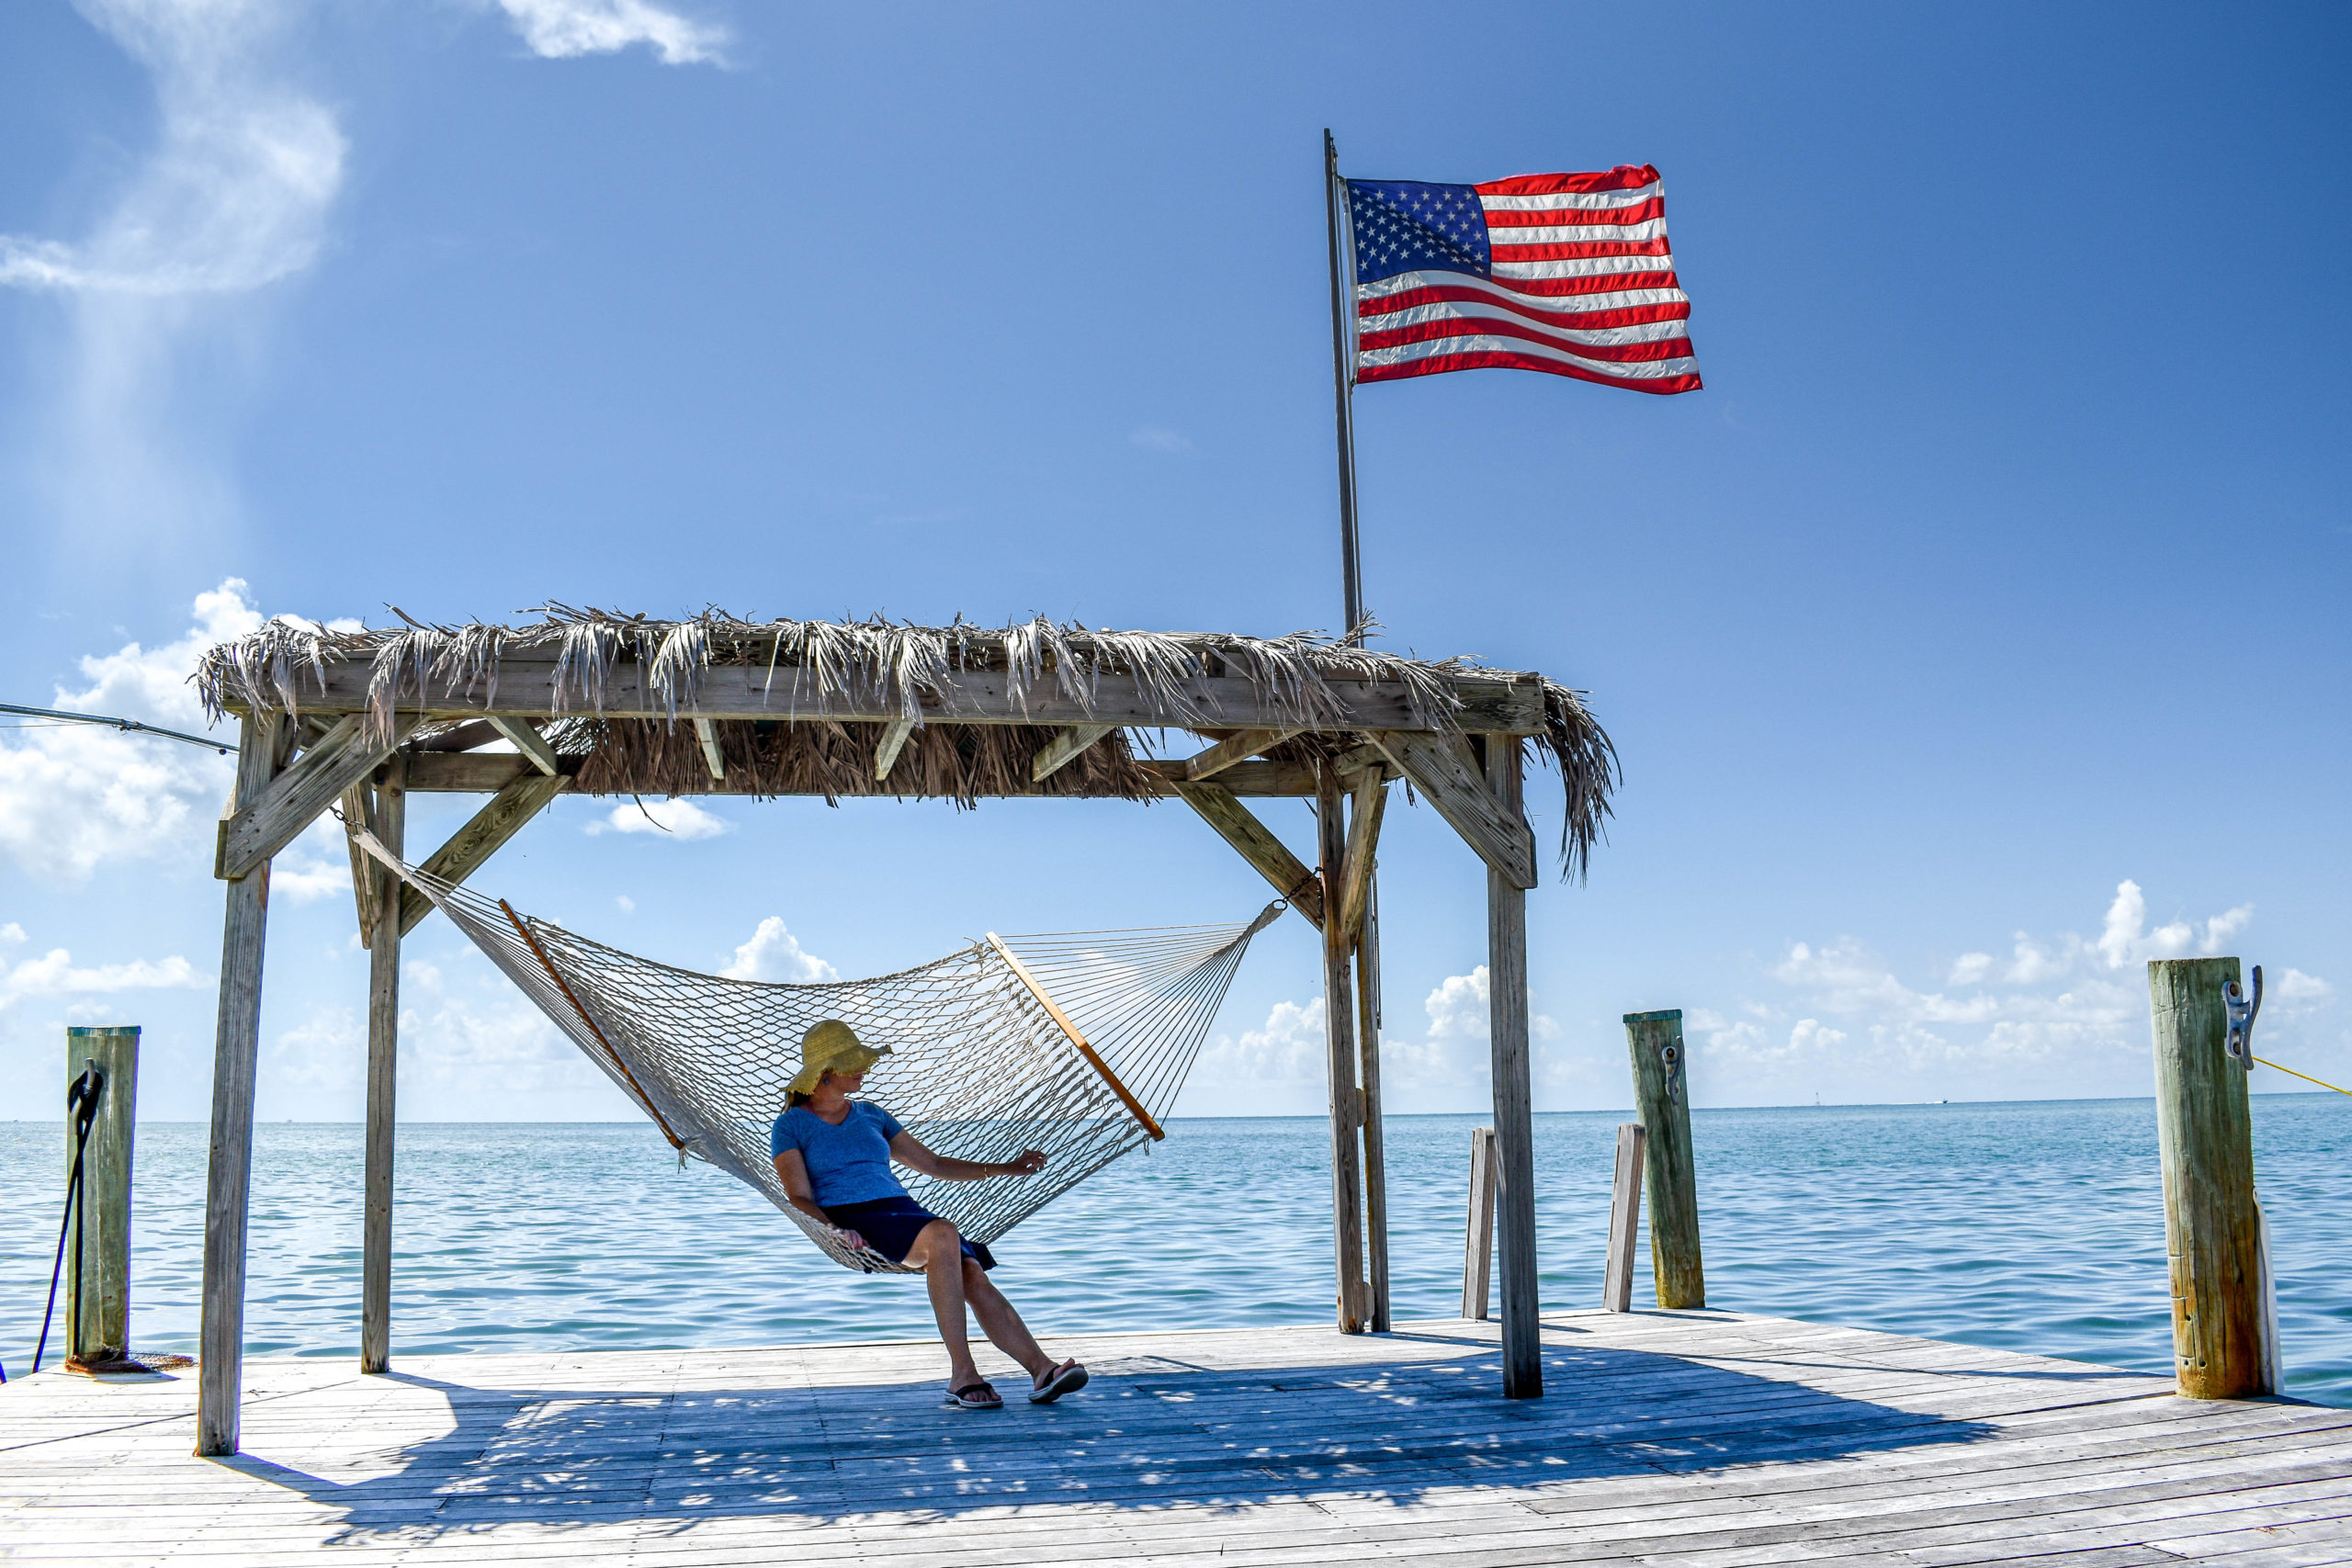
72, 796
2122, 942
1160, 438
12, 933
1288, 1048
625, 904
680, 819
564, 30
2293, 985
1969, 968
54, 975
234, 196
773, 954
2222, 926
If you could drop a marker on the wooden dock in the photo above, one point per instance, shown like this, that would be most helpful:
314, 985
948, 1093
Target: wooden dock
1705, 1439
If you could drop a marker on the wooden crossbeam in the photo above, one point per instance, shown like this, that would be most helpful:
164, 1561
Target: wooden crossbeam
1442, 770
1065, 748
712, 758
465, 738
1490, 702
475, 843
1257, 844
1364, 837
485, 773
339, 759
894, 741
1235, 748
528, 741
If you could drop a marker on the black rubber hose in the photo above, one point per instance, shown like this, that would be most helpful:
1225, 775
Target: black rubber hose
81, 1104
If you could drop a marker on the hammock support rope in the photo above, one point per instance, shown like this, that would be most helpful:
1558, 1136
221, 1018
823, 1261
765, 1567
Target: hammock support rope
1073, 1043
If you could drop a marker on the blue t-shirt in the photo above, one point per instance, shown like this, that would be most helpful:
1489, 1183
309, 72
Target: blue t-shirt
848, 1164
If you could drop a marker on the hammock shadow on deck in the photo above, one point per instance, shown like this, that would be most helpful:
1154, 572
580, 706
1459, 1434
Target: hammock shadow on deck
1150, 1434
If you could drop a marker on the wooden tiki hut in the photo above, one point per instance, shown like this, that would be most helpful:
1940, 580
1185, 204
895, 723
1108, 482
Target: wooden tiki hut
604, 704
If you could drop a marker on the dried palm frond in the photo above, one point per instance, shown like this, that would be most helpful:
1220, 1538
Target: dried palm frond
815, 669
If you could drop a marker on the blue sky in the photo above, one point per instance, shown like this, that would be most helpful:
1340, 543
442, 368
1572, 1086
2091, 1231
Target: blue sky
1978, 633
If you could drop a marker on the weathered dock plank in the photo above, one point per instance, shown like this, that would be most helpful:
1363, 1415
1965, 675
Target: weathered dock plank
1706, 1440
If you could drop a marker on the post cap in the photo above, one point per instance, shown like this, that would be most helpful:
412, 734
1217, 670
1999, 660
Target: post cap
1675, 1013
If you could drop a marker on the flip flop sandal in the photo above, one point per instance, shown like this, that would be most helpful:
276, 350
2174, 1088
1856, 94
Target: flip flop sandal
975, 1396
1068, 1377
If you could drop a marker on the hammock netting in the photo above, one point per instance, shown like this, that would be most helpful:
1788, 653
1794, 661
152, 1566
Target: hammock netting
979, 1068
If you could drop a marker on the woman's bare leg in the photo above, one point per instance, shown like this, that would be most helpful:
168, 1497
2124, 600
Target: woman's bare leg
1000, 1322
939, 1250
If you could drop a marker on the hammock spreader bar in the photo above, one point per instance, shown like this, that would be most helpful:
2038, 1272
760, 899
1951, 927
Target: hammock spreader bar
1075, 1043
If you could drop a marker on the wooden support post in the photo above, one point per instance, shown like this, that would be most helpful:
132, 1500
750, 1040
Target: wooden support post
1340, 1037
1662, 1105
1376, 1136
1368, 800
1514, 1108
220, 1336
383, 1057
97, 1314
1478, 1235
1624, 1220
2212, 1229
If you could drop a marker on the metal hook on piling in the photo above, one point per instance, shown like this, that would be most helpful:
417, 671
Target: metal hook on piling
2242, 1010
1671, 1054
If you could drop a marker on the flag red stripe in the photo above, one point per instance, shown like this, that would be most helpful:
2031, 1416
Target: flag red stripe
1625, 177
1491, 360
1574, 249
1370, 310
1487, 326
1555, 216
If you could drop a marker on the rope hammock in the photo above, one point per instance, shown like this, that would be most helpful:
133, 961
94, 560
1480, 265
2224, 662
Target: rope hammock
1072, 1042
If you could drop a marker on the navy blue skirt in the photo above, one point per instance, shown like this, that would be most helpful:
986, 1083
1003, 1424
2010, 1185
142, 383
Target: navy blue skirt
890, 1226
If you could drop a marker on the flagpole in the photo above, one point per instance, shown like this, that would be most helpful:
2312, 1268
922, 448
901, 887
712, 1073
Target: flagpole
1343, 391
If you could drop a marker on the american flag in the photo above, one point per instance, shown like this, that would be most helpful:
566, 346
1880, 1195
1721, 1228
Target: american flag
1563, 273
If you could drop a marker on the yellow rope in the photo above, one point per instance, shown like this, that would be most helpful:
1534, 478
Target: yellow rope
2305, 1076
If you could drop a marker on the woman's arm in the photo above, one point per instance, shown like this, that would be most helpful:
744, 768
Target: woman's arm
909, 1151
792, 1171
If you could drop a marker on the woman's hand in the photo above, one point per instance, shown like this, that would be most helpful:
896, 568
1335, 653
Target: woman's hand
850, 1240
1029, 1163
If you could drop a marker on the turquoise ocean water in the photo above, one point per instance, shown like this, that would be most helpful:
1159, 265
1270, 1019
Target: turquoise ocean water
2035, 1226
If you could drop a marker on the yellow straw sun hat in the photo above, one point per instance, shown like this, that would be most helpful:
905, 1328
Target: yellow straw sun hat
832, 1046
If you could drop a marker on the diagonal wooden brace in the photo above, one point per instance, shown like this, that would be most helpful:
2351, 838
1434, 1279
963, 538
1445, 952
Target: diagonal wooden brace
335, 761
475, 843
1441, 770
1222, 810
1364, 837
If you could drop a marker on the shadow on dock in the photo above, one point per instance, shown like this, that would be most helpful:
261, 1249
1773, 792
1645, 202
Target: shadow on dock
1150, 1434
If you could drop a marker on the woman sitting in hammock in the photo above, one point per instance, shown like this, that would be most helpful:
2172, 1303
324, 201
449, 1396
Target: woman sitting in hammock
833, 1156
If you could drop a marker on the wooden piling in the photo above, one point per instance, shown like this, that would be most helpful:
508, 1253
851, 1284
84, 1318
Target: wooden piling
1514, 1109
1339, 1039
383, 1056
1624, 1220
1478, 1235
1662, 1105
2212, 1229
1375, 1138
220, 1335
97, 1315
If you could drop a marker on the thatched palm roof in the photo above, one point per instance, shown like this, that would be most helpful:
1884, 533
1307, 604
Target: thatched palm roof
807, 704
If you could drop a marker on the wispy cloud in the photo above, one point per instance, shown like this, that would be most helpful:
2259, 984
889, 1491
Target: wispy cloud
232, 197
564, 30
